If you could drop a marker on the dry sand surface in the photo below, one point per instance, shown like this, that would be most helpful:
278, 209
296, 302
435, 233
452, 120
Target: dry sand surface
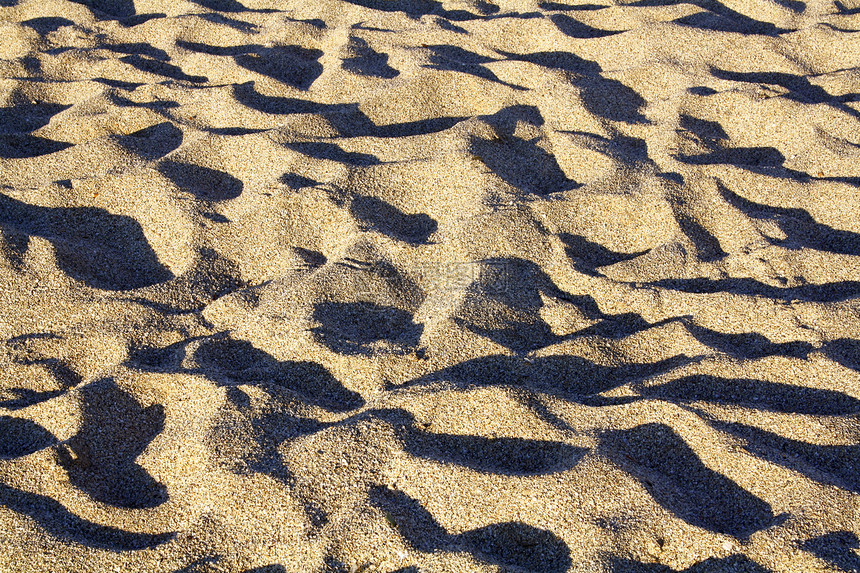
430, 286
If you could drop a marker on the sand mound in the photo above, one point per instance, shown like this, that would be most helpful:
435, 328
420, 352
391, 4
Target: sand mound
429, 285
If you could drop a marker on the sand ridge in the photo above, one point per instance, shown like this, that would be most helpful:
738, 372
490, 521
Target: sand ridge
429, 285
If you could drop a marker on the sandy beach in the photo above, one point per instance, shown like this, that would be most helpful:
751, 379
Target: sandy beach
406, 286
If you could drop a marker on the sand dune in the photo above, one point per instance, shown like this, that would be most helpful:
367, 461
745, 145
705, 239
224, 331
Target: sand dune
430, 285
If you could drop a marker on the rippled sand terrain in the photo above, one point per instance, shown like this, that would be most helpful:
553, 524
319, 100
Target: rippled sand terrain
430, 286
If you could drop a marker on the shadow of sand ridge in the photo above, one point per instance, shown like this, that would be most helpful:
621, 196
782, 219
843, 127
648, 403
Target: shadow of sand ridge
824, 464
92, 245
511, 544
678, 480
60, 523
100, 458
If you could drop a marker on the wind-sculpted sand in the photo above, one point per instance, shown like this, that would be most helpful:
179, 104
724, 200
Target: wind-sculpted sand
430, 286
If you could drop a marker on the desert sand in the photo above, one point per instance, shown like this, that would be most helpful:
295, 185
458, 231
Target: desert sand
430, 286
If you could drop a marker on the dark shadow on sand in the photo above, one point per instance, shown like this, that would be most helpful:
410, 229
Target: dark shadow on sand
20, 437
92, 245
838, 548
759, 394
354, 327
59, 522
205, 183
100, 458
509, 544
733, 563
678, 480
606, 98
385, 218
824, 464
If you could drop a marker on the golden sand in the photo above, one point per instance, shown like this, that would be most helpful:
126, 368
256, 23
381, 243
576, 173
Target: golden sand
430, 286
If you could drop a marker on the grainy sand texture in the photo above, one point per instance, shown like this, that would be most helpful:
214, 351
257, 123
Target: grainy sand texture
408, 286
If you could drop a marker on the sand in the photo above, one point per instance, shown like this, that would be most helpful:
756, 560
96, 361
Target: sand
430, 286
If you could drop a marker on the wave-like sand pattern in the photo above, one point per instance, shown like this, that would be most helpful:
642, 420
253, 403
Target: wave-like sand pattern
430, 285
